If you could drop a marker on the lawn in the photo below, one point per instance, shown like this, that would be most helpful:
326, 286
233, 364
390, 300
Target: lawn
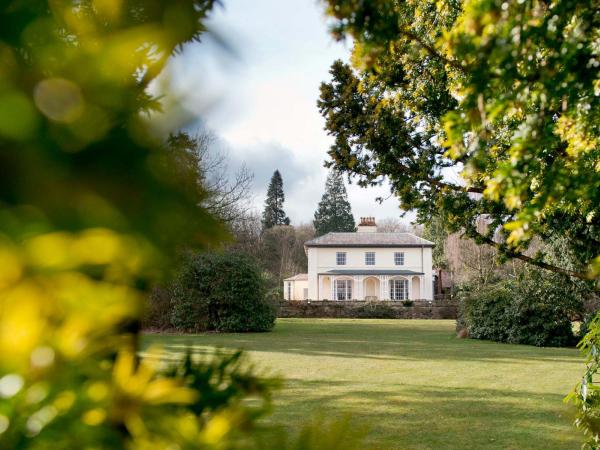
411, 383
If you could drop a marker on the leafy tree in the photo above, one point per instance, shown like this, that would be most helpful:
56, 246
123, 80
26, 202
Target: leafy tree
503, 92
334, 212
273, 213
435, 231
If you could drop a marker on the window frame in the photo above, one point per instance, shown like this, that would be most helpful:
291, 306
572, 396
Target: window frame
399, 293
399, 256
368, 261
343, 257
343, 293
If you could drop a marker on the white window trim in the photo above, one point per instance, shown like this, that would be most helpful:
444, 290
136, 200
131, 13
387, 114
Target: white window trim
402, 291
367, 263
343, 257
401, 255
346, 290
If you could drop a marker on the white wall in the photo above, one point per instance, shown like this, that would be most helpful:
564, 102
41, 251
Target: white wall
297, 289
323, 259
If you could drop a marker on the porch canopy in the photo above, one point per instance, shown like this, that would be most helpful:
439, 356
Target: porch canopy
373, 284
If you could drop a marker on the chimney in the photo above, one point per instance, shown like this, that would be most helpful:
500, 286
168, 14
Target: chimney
367, 225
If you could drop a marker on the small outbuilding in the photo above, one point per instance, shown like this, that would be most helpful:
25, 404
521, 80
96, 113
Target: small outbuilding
296, 287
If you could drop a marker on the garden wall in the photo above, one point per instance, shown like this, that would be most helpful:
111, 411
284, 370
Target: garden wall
365, 309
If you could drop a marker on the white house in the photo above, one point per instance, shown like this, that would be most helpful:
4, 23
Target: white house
365, 265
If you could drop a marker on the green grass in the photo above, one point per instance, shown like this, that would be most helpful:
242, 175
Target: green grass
411, 383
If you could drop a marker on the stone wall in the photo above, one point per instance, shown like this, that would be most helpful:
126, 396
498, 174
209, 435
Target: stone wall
364, 309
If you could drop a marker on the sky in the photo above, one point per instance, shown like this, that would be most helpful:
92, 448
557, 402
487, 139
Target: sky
259, 99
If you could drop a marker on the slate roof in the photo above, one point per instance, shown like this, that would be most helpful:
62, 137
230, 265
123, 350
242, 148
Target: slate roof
298, 277
369, 240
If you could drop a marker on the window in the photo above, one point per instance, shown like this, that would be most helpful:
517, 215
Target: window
370, 258
289, 290
399, 258
340, 258
305, 292
399, 289
343, 290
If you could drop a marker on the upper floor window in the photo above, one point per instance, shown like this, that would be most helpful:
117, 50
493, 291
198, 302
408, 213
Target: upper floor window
399, 258
340, 258
370, 258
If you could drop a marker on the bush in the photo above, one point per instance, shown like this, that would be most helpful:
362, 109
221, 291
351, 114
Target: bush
535, 309
222, 292
374, 310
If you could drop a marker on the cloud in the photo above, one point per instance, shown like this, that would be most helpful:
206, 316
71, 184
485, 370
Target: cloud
262, 102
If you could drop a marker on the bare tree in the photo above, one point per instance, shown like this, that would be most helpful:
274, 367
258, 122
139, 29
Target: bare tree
392, 225
227, 193
472, 262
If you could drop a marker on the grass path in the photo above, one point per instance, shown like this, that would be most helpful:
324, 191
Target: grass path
411, 383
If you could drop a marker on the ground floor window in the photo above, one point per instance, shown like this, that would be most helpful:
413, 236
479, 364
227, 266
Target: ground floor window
343, 290
289, 286
399, 289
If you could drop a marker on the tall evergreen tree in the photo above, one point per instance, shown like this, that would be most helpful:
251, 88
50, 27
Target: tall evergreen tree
334, 212
274, 213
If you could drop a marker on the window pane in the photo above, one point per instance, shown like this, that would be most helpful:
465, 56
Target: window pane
399, 258
340, 258
343, 289
399, 289
370, 258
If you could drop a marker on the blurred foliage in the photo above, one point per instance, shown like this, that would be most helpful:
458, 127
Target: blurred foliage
586, 395
92, 208
505, 93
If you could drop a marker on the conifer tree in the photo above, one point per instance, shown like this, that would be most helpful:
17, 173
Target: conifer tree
274, 213
334, 212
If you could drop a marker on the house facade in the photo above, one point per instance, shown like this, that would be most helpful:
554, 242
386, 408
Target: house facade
365, 265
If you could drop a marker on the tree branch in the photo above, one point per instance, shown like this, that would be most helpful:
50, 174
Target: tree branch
433, 51
454, 187
503, 248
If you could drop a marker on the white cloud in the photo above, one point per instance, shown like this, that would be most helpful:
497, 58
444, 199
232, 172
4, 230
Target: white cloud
262, 103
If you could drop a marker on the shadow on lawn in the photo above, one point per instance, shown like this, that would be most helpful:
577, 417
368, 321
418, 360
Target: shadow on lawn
429, 417
421, 412
368, 340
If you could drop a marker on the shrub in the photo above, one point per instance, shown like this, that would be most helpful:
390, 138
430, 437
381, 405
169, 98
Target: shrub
534, 309
374, 310
222, 292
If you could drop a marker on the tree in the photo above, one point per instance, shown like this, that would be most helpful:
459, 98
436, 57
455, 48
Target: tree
273, 213
434, 231
334, 213
282, 251
392, 225
502, 92
227, 196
